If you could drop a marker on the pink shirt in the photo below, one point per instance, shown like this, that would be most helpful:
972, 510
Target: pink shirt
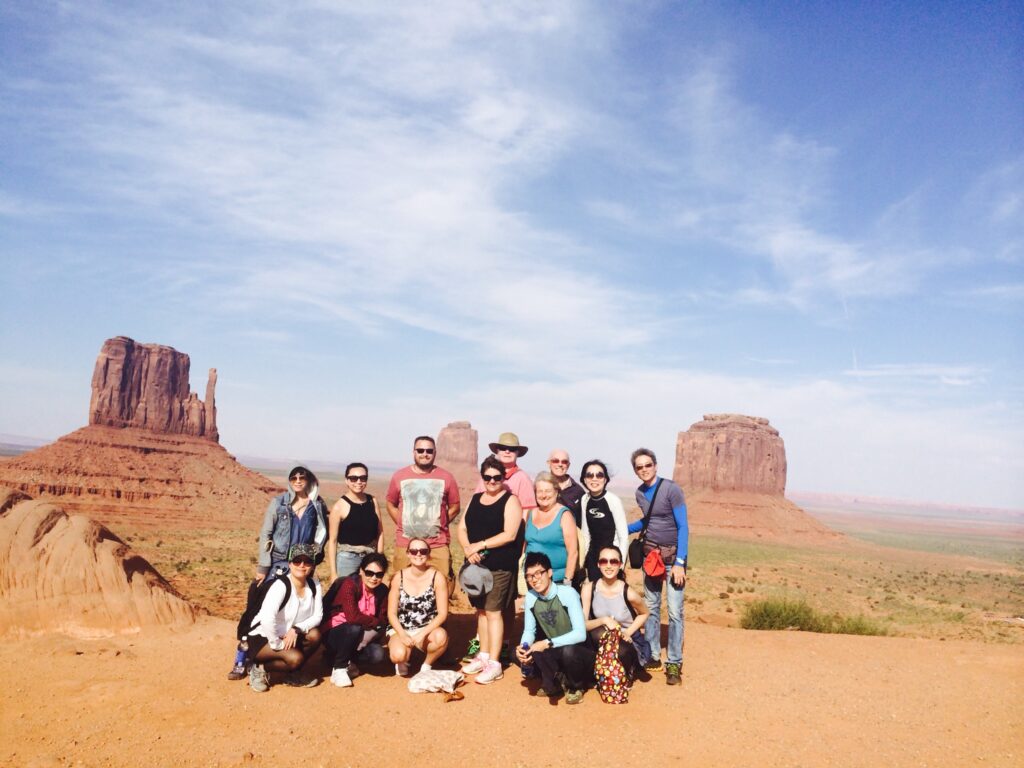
519, 485
423, 501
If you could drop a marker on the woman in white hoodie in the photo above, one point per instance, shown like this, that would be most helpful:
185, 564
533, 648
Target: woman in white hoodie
604, 518
286, 630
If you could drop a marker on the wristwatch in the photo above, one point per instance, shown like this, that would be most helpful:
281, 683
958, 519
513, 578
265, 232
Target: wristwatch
550, 644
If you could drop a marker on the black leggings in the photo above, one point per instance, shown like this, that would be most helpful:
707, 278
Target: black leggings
575, 662
284, 661
343, 641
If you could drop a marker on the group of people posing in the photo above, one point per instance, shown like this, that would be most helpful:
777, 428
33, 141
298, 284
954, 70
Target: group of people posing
560, 544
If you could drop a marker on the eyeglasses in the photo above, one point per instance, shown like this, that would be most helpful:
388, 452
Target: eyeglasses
356, 478
595, 475
559, 462
425, 451
419, 550
492, 478
608, 561
640, 467
373, 574
301, 561
535, 575
507, 448
297, 476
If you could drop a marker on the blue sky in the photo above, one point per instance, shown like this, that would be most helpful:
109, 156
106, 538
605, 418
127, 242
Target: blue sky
589, 223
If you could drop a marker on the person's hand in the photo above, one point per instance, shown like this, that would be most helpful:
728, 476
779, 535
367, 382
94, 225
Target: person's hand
260, 577
678, 575
408, 640
523, 654
627, 635
540, 645
289, 639
609, 622
475, 558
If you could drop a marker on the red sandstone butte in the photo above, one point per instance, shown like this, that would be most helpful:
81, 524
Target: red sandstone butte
457, 452
147, 386
732, 469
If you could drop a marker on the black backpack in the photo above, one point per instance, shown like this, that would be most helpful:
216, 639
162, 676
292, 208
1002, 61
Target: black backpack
254, 601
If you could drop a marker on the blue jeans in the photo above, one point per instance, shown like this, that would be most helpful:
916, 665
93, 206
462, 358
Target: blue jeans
347, 563
652, 629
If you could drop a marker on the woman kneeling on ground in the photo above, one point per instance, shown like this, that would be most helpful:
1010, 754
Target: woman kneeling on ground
417, 609
609, 603
285, 633
357, 608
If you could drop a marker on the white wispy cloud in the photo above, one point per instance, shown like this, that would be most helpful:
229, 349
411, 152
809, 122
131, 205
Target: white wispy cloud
951, 375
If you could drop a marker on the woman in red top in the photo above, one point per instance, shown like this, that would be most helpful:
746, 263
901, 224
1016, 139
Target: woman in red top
357, 618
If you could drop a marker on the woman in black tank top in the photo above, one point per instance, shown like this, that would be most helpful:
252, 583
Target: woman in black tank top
354, 527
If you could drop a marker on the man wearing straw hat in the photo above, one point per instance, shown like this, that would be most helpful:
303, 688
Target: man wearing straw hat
506, 450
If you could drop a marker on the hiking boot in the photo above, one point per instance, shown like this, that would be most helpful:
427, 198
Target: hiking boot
402, 669
472, 650
258, 679
302, 680
237, 672
340, 678
475, 666
652, 665
573, 697
672, 674
491, 672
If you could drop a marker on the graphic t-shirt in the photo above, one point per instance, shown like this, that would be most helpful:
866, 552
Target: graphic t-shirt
423, 502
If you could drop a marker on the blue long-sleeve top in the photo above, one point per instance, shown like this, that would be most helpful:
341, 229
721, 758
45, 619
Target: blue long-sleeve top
570, 601
673, 495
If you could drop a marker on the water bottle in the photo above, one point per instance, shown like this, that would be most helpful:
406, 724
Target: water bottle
242, 650
527, 666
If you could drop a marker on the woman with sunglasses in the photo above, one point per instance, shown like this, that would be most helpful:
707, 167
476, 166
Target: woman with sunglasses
610, 603
604, 518
356, 615
354, 529
285, 633
417, 610
551, 529
489, 536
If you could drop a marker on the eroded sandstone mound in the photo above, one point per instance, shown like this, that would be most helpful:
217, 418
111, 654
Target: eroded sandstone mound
731, 452
147, 386
66, 573
732, 469
149, 479
457, 452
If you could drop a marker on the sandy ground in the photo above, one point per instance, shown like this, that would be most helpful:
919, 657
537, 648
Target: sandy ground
748, 699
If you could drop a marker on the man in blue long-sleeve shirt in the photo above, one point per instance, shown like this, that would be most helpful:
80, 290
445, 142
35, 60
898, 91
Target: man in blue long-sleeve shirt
556, 613
668, 531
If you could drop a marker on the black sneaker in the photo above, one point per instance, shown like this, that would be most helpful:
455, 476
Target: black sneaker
672, 674
238, 672
652, 665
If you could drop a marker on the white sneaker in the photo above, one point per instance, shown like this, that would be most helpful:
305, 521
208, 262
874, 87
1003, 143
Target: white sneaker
490, 673
340, 678
475, 666
402, 670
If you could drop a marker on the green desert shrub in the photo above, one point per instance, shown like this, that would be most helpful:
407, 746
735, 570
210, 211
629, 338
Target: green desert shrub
797, 614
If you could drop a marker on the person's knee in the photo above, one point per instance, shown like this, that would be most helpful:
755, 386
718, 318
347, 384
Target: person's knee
292, 659
438, 637
313, 636
399, 654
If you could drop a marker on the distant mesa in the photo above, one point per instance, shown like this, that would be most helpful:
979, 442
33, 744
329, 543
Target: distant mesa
457, 452
66, 573
147, 386
150, 453
732, 469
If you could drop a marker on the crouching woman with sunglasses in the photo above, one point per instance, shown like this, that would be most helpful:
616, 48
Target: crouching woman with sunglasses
357, 609
285, 633
610, 603
417, 610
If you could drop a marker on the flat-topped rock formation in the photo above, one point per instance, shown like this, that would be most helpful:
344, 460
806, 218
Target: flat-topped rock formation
732, 469
457, 452
147, 386
66, 573
731, 452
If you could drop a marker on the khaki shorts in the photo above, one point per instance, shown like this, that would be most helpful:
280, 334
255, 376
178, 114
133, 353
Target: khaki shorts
440, 558
501, 596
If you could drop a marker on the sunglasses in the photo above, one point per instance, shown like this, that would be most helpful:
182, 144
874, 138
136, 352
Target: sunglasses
356, 478
595, 475
373, 574
640, 467
426, 451
301, 561
608, 561
419, 551
559, 462
298, 476
492, 478
509, 448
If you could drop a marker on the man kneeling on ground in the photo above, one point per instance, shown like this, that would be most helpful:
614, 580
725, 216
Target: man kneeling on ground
555, 613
